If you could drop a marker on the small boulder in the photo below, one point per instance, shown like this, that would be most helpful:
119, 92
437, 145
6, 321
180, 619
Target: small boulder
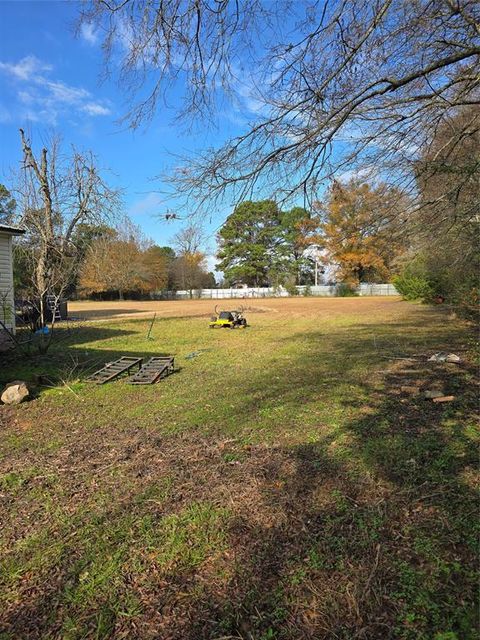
15, 392
452, 357
442, 356
438, 357
430, 394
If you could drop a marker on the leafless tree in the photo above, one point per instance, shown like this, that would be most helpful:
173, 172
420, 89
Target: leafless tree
338, 85
445, 229
57, 193
189, 267
189, 240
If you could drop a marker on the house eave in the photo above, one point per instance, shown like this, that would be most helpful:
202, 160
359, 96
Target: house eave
13, 231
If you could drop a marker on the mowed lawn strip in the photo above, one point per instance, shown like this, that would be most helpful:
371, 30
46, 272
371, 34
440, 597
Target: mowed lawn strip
288, 481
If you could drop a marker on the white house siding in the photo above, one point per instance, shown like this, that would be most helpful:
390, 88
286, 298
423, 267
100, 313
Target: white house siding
6, 281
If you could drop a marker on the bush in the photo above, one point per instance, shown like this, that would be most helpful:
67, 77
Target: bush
413, 287
307, 291
290, 286
469, 303
345, 290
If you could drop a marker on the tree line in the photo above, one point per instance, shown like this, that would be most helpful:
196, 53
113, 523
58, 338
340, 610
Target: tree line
121, 260
349, 231
365, 232
258, 245
388, 89
112, 262
426, 243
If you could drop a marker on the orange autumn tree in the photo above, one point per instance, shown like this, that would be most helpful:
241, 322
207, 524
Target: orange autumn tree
190, 264
361, 231
112, 265
123, 261
155, 269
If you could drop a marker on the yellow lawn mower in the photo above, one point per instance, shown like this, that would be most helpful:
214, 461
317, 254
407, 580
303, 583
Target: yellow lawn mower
228, 319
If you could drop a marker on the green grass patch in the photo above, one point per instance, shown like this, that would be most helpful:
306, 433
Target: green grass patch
278, 485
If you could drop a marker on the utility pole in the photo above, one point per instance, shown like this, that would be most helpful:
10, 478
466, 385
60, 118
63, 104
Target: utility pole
316, 248
313, 253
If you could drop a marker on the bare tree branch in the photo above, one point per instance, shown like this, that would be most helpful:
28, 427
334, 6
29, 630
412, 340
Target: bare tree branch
56, 195
359, 83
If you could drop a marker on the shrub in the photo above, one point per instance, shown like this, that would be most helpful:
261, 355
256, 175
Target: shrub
307, 291
413, 287
469, 302
345, 290
290, 286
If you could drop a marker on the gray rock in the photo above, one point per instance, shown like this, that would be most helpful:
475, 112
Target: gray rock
442, 356
430, 394
438, 357
15, 392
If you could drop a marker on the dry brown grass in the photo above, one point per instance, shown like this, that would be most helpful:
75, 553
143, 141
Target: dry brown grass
202, 308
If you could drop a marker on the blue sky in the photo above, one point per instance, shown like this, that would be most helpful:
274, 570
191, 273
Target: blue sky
50, 81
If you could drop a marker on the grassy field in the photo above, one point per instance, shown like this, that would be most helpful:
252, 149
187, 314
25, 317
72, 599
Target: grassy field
287, 482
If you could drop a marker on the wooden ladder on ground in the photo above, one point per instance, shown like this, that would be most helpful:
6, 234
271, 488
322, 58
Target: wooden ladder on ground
153, 370
113, 370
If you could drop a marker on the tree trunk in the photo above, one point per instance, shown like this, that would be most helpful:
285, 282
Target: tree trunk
120, 294
41, 286
47, 234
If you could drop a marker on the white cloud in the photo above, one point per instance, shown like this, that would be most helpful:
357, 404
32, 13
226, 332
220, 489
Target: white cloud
27, 69
248, 94
88, 33
233, 116
357, 173
45, 116
50, 98
250, 98
64, 93
26, 97
95, 109
211, 261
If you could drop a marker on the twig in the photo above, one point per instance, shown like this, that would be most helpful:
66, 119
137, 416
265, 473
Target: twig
151, 326
70, 389
374, 568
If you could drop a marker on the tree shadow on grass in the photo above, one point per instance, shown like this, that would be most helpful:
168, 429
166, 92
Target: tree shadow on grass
373, 533
345, 363
366, 532
70, 356
117, 315
372, 539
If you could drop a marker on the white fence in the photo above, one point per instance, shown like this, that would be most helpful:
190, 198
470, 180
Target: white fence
377, 290
275, 292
